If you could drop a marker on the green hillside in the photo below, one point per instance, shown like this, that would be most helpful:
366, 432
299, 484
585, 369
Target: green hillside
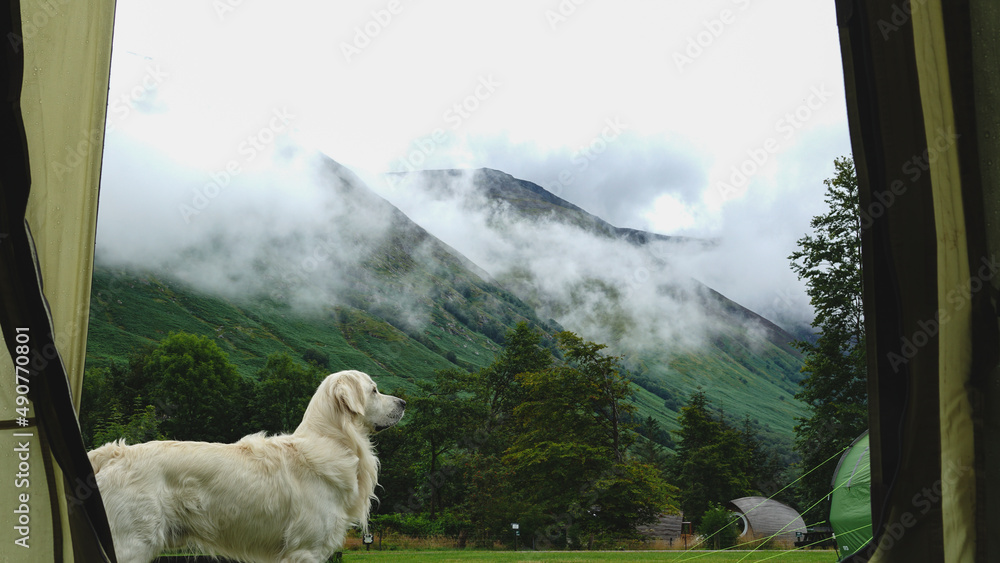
413, 305
130, 310
746, 365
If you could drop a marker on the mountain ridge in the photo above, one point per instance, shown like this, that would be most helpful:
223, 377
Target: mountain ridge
500, 186
394, 299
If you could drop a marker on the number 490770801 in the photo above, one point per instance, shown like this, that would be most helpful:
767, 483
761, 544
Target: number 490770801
21, 371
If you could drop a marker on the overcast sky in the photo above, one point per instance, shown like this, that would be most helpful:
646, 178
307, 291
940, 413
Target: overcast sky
718, 118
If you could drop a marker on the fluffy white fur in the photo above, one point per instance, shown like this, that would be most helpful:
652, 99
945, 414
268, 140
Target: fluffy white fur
287, 498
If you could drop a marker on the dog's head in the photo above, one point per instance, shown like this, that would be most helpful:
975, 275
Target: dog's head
352, 397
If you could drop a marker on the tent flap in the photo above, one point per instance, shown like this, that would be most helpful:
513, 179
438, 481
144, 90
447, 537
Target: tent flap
922, 91
53, 114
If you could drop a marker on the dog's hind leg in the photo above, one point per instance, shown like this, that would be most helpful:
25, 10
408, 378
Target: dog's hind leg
135, 551
137, 530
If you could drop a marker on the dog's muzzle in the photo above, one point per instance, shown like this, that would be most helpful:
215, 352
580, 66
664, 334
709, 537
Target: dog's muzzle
394, 417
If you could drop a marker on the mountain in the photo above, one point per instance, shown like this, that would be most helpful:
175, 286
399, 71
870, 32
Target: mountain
625, 288
528, 198
390, 300
354, 279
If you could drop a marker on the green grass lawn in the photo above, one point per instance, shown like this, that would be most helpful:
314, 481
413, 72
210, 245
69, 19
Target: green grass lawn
817, 556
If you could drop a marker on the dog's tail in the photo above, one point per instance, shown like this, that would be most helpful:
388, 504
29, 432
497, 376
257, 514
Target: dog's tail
106, 453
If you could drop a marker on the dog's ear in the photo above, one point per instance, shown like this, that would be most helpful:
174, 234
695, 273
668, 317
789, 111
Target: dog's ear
348, 392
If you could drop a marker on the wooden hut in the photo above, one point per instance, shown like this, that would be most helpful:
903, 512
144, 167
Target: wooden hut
667, 528
761, 518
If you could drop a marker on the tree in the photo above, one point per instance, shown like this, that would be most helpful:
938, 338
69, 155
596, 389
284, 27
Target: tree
141, 426
114, 402
604, 372
317, 358
765, 469
561, 443
198, 392
282, 393
499, 390
650, 448
712, 461
521, 353
446, 453
834, 389
443, 412
571, 445
718, 525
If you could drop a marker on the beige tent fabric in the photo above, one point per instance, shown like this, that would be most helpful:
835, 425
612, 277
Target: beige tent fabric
66, 48
955, 338
64, 100
922, 89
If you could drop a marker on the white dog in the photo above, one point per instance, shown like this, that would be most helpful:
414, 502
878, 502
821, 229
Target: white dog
287, 498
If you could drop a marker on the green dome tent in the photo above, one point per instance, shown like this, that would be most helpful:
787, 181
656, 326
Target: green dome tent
850, 501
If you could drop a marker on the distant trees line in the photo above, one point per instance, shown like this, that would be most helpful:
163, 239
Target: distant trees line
549, 439
185, 388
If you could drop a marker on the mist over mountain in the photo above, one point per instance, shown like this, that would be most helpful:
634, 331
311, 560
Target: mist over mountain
617, 285
305, 232
454, 260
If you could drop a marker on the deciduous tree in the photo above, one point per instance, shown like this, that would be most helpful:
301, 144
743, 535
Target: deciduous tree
282, 393
834, 389
198, 391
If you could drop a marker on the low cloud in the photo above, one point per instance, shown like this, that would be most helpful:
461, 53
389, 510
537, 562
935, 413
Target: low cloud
285, 232
299, 228
638, 298
661, 185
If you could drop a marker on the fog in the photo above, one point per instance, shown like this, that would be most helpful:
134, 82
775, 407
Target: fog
280, 229
279, 226
657, 185
210, 175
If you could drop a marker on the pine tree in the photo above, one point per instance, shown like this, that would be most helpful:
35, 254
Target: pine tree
711, 465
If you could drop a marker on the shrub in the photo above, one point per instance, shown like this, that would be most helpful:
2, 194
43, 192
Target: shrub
718, 526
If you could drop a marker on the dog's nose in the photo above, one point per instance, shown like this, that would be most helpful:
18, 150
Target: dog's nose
402, 403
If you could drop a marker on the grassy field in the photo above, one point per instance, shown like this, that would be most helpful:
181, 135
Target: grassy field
817, 556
